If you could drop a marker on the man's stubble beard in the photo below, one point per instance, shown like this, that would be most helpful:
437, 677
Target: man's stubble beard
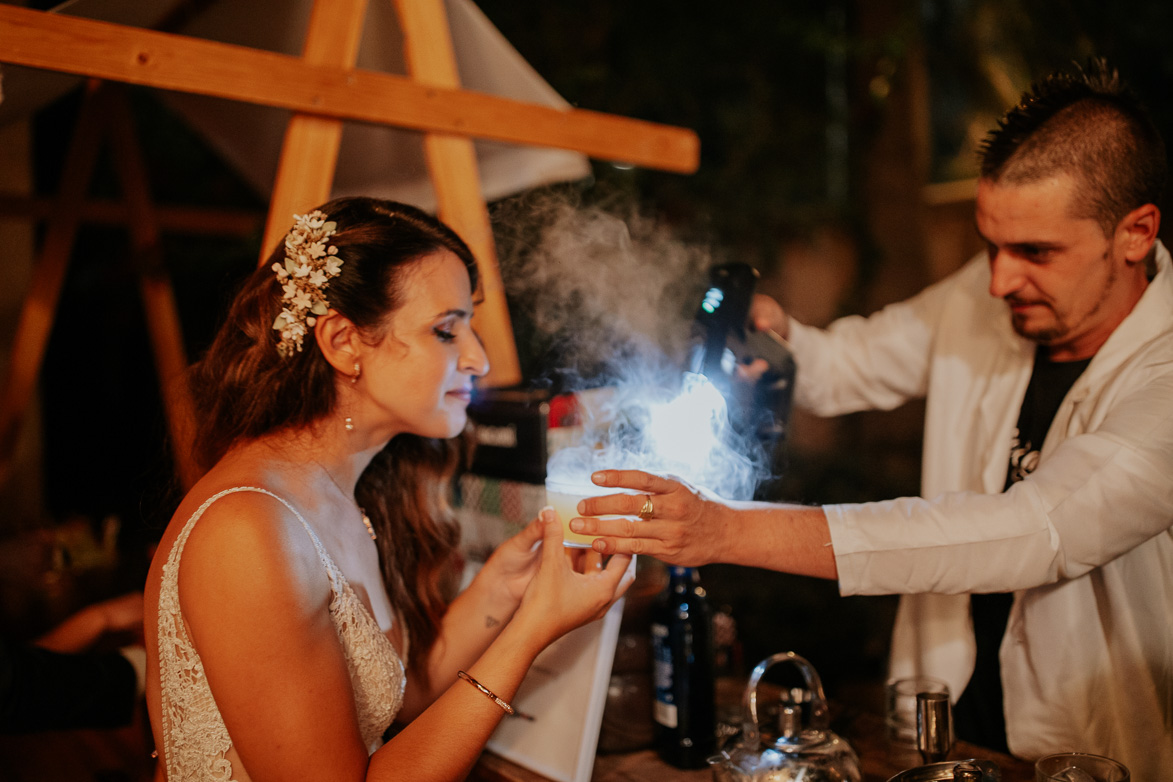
1061, 328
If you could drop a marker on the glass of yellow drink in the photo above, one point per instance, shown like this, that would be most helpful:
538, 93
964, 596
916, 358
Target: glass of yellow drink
564, 496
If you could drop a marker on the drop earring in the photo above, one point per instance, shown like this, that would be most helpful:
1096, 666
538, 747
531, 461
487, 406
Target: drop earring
349, 422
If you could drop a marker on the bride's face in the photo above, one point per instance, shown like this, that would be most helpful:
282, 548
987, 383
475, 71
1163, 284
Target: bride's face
419, 378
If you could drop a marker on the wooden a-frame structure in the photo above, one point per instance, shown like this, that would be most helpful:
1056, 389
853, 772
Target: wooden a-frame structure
323, 88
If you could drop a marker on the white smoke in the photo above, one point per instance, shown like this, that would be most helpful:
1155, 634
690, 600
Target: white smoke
680, 430
604, 287
612, 294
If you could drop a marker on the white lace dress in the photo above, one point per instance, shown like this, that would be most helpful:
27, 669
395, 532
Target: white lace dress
196, 743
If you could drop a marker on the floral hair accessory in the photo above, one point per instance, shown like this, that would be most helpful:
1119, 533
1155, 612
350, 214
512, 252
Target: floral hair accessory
309, 267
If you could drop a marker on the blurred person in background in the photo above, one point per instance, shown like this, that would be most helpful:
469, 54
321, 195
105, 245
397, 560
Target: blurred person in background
61, 682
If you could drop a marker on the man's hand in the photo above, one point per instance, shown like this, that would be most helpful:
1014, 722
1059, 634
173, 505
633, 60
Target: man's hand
765, 314
684, 525
681, 529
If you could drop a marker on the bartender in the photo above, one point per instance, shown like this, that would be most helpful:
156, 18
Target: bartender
1037, 566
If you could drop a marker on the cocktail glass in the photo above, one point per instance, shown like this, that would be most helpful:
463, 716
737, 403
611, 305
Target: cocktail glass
565, 495
1079, 767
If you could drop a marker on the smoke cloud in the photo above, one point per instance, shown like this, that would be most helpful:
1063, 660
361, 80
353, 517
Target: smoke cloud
602, 287
608, 296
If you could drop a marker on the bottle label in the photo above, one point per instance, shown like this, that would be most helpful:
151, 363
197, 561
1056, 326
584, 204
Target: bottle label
664, 713
664, 710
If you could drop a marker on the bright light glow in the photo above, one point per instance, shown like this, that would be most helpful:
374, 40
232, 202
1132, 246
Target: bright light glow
676, 424
686, 429
728, 361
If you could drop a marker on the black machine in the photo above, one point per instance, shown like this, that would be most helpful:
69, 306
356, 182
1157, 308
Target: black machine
723, 341
511, 428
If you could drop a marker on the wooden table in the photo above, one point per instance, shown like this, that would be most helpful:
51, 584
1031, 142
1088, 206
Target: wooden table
879, 759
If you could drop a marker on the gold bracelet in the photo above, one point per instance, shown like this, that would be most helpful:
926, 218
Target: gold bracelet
488, 693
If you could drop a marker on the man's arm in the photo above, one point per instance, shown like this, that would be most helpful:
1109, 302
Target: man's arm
691, 526
1097, 496
82, 629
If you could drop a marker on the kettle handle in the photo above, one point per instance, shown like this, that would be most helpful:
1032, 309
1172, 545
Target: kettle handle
818, 719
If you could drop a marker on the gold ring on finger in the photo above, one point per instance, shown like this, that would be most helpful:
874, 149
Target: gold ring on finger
648, 510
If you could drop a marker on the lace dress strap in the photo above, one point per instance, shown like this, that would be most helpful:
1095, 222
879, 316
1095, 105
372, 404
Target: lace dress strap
335, 574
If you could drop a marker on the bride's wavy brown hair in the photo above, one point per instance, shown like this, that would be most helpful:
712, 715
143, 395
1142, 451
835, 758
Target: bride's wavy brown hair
244, 389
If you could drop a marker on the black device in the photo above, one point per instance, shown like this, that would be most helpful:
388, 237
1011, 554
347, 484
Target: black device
510, 428
723, 339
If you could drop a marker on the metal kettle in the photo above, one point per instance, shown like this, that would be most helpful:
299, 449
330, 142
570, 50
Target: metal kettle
808, 752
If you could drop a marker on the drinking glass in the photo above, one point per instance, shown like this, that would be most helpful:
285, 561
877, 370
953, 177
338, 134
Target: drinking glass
1079, 767
564, 496
900, 706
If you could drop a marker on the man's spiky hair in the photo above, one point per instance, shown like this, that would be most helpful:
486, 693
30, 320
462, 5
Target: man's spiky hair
1086, 123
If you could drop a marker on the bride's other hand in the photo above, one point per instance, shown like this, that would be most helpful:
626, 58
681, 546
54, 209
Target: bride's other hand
560, 599
512, 564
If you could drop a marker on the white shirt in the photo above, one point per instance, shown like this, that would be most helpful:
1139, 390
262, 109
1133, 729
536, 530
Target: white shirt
1085, 541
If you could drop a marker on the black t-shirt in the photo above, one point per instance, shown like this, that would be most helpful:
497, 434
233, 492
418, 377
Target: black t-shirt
978, 715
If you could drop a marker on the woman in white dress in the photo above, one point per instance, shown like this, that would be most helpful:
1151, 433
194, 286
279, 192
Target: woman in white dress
308, 608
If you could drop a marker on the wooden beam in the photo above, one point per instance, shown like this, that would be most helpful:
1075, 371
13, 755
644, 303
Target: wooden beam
40, 304
63, 43
159, 307
310, 152
178, 219
452, 162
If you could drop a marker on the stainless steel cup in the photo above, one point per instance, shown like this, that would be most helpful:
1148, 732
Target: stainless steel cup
900, 707
934, 726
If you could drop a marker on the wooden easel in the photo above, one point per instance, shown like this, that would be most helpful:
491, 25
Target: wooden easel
323, 88
105, 115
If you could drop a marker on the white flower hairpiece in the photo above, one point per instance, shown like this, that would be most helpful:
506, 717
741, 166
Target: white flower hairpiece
309, 267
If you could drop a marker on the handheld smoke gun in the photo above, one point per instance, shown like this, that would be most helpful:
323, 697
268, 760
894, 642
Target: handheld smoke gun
723, 339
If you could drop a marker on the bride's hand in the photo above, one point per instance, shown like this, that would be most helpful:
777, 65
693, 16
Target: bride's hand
513, 564
559, 598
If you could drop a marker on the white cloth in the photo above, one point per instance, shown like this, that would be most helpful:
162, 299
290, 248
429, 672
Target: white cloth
196, 743
1085, 541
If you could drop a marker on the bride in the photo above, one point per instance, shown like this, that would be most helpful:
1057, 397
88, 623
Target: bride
297, 607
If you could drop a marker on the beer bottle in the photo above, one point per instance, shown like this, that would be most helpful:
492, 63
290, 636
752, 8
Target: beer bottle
683, 672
